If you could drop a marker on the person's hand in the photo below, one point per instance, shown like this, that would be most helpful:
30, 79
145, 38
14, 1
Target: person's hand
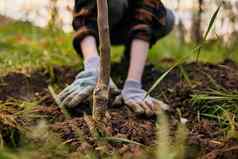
81, 89
134, 97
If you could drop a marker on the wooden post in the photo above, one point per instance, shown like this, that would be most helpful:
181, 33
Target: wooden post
101, 92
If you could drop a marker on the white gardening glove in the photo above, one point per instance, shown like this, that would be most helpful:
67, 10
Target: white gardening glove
79, 90
134, 97
83, 86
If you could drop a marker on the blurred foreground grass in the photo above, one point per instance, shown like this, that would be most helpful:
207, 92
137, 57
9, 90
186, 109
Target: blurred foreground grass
23, 46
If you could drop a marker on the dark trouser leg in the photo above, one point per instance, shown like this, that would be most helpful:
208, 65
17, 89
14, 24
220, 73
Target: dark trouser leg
160, 32
85, 18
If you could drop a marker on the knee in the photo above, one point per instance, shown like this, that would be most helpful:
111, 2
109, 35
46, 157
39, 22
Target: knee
170, 21
161, 31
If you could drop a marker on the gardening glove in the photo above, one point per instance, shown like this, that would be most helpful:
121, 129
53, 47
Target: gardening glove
79, 90
83, 86
134, 97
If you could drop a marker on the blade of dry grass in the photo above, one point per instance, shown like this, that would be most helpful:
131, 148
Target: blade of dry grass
121, 140
61, 105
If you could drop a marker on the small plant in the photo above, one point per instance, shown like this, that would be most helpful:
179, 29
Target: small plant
219, 105
213, 96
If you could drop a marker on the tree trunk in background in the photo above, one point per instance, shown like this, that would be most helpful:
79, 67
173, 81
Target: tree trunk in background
5, 20
101, 92
197, 23
230, 13
180, 29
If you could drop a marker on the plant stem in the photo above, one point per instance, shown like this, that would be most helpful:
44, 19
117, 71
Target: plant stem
101, 93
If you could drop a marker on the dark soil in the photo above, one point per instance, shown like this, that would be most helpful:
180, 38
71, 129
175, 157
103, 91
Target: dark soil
205, 140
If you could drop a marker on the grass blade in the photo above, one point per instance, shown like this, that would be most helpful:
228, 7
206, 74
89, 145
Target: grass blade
211, 23
186, 76
62, 107
180, 141
121, 140
214, 16
182, 60
164, 146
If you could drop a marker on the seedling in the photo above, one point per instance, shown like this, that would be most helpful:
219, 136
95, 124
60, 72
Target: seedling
101, 92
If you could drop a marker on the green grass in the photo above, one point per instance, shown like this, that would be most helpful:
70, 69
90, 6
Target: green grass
23, 46
219, 105
169, 47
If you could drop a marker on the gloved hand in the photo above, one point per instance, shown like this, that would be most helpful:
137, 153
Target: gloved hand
134, 97
81, 88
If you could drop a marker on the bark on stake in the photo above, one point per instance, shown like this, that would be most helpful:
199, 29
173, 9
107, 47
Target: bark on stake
101, 93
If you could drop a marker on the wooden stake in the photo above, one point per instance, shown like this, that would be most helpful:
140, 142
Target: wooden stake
101, 93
